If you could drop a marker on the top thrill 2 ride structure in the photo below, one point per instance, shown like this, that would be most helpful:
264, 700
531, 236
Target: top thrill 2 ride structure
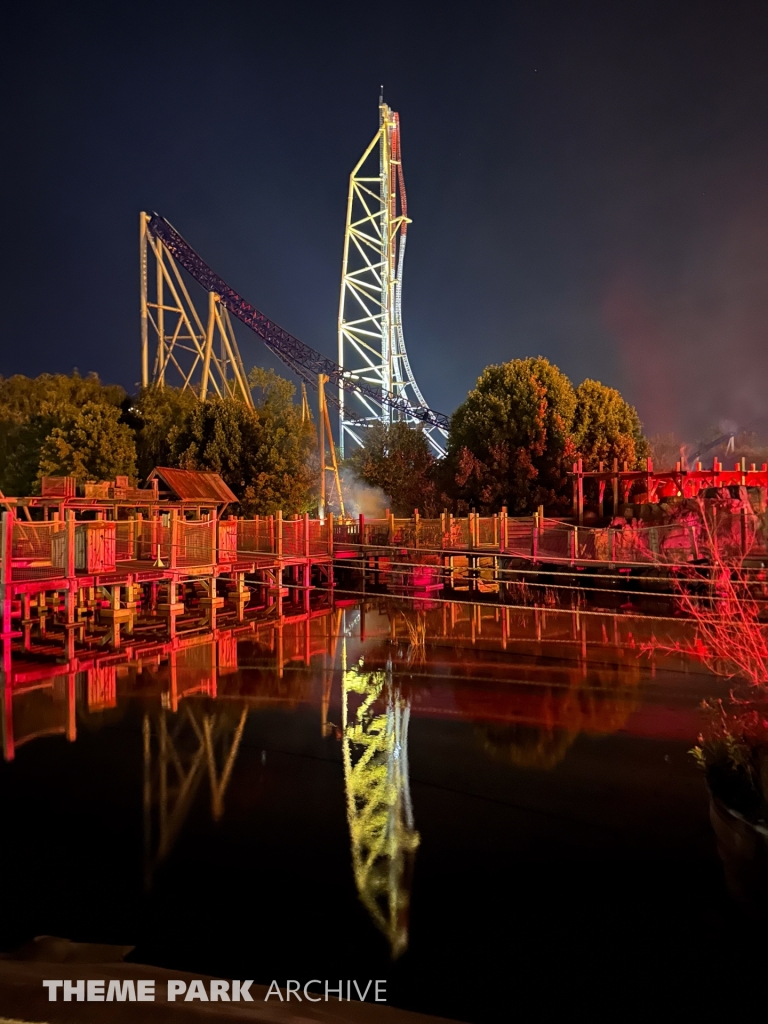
200, 351
371, 343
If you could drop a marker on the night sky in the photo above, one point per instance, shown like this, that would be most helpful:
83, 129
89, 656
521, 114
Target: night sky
587, 181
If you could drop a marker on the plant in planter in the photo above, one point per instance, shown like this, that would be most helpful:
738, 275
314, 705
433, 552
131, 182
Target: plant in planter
733, 753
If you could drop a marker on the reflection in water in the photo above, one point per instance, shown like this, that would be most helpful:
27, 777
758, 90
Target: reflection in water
555, 716
375, 736
568, 674
526, 746
179, 751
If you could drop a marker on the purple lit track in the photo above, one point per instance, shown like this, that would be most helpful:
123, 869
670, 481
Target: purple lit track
302, 359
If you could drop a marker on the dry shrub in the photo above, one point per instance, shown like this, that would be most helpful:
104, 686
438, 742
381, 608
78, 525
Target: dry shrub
731, 640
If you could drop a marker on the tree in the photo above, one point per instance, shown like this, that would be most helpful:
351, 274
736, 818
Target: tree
397, 458
30, 408
607, 427
91, 443
264, 454
510, 440
665, 450
157, 416
285, 461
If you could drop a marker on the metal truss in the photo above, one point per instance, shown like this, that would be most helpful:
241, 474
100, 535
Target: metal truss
188, 352
375, 720
371, 343
303, 360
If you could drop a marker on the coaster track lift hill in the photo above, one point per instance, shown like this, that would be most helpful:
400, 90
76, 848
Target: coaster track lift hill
200, 351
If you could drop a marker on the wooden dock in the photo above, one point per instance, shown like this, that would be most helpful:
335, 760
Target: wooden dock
96, 576
94, 581
440, 551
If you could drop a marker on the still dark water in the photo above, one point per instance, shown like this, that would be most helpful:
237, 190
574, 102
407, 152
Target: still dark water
406, 800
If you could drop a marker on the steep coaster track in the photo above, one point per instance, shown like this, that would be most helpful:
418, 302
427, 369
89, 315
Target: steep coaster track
303, 360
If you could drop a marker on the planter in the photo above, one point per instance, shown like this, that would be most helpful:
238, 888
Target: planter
743, 849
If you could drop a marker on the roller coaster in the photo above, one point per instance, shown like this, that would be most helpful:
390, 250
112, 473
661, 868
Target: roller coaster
372, 382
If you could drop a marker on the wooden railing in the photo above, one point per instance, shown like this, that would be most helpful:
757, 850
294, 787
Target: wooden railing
67, 547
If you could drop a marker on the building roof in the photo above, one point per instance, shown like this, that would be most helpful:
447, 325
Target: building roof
193, 485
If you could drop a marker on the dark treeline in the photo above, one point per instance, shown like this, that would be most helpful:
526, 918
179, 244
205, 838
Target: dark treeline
60, 425
511, 441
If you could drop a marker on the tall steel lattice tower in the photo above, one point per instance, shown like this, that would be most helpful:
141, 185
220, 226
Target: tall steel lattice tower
371, 343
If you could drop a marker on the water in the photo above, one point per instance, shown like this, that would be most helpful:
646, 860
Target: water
432, 796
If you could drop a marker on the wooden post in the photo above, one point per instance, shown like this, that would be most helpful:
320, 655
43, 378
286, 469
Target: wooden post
6, 695
600, 491
743, 518
580, 491
615, 487
174, 538
583, 625
535, 536
69, 561
416, 526
575, 508
71, 708
330, 537
279, 535
361, 529
213, 519
306, 535
5, 572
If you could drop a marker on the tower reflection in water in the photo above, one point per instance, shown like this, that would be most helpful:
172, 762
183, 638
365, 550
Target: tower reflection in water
377, 666
375, 717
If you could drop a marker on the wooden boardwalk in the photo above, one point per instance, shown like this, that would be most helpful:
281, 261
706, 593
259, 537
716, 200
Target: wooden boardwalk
547, 541
94, 580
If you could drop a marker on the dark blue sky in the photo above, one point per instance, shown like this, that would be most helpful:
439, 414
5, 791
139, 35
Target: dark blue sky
587, 181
